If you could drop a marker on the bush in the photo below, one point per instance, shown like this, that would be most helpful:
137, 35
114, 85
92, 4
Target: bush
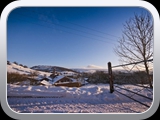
98, 77
75, 84
15, 63
34, 73
139, 77
13, 77
25, 66
20, 65
8, 63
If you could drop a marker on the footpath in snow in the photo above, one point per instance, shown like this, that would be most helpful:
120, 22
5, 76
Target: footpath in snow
86, 99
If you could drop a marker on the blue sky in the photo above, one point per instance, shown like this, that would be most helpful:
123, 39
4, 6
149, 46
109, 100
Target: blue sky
73, 37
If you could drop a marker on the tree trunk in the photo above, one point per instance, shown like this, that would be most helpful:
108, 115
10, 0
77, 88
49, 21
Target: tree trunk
148, 76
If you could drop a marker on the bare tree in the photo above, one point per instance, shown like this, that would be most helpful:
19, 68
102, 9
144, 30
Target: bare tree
136, 43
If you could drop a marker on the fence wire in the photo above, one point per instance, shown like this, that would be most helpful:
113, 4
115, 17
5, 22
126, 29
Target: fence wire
133, 74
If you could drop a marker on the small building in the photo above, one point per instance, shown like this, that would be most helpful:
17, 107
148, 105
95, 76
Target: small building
65, 81
46, 79
44, 82
84, 81
62, 79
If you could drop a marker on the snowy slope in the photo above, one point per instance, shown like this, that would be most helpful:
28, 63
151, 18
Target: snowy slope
16, 68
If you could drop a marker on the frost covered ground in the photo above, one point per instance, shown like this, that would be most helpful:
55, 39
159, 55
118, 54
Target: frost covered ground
90, 98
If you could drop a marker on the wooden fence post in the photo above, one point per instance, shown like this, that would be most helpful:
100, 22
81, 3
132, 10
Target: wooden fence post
110, 77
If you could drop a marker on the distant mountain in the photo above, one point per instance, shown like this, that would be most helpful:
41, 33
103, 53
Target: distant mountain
85, 70
48, 68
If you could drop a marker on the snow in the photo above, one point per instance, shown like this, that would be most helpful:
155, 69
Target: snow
68, 73
16, 68
90, 98
57, 78
46, 82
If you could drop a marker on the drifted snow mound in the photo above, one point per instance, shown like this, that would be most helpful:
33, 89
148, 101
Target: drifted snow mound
91, 92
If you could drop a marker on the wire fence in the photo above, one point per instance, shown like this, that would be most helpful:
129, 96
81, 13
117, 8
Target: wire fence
133, 74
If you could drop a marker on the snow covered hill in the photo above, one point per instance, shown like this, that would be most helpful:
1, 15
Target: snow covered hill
42, 70
12, 67
49, 68
30, 76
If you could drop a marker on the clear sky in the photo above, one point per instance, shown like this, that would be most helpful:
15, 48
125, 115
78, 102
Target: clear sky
73, 37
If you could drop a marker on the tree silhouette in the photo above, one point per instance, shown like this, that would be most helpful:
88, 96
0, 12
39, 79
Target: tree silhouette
136, 43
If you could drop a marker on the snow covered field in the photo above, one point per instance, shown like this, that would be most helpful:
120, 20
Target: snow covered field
90, 98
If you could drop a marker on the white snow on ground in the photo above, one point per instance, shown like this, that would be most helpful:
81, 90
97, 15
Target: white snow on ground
90, 98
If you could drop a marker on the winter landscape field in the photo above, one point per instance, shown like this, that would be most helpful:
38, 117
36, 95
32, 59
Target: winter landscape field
89, 98
61, 59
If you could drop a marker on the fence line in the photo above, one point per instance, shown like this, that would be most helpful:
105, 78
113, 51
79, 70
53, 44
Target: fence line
112, 81
132, 63
132, 99
135, 93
